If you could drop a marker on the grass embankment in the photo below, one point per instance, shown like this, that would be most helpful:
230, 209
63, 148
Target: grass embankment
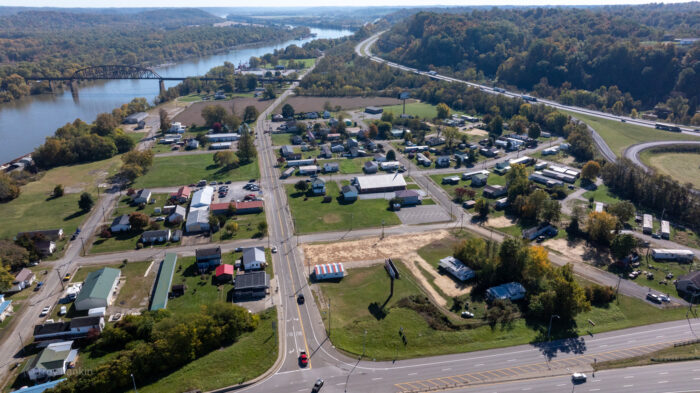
187, 169
671, 354
312, 215
620, 135
356, 301
682, 167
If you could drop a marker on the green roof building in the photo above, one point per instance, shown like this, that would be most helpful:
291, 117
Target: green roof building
98, 289
165, 280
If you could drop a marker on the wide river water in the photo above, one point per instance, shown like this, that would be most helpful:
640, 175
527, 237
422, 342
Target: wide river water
24, 124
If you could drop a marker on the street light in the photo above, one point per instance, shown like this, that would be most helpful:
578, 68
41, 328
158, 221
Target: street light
549, 330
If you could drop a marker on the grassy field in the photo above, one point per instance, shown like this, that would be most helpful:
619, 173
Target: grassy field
249, 357
187, 169
357, 297
620, 135
683, 167
602, 194
418, 109
312, 215
349, 165
247, 227
281, 139
200, 289
670, 354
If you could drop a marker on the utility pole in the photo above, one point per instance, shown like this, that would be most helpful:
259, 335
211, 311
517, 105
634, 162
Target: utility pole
134, 381
382, 229
329, 317
60, 279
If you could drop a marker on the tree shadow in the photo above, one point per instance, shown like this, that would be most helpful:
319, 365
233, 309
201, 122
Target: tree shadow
564, 338
75, 215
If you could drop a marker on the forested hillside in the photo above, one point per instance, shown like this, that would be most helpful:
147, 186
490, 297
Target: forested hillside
612, 58
52, 43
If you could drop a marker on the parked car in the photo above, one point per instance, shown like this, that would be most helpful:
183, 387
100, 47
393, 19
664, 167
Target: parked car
228, 181
653, 298
274, 250
664, 298
578, 377
63, 310
656, 236
238, 249
467, 314
45, 311
66, 277
39, 285
161, 218
317, 386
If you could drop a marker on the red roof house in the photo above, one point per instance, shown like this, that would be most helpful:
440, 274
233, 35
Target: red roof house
182, 194
224, 273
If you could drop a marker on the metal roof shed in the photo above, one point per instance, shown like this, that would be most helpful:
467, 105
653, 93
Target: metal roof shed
159, 300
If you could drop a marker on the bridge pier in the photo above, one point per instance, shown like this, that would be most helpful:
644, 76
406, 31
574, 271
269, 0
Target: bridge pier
161, 84
74, 90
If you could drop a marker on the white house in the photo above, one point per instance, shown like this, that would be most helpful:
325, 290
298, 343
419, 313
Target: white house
120, 224
5, 307
52, 361
197, 220
329, 167
254, 258
142, 196
178, 215
158, 236
23, 279
456, 268
308, 169
202, 197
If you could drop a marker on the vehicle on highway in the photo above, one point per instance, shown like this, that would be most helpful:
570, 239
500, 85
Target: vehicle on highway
653, 298
467, 314
303, 359
45, 311
66, 277
499, 90
578, 377
528, 98
39, 285
274, 250
300, 298
317, 386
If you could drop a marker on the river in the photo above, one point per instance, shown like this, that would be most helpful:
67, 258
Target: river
25, 123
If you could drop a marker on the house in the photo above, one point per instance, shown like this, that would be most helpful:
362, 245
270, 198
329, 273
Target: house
423, 160
665, 229
330, 167
182, 195
310, 136
23, 279
689, 284
52, 361
442, 161
550, 151
178, 215
287, 151
207, 258
192, 144
158, 236
599, 207
277, 117
251, 285
663, 254
488, 152
142, 196
349, 193
374, 110
308, 161
479, 180
75, 328
333, 137
254, 258
45, 247
647, 224
227, 137
462, 158
524, 160
98, 290
5, 307
511, 291
326, 115
544, 229
296, 140
379, 157
558, 175
325, 152
249, 207
456, 268
329, 271
159, 300
202, 197
469, 175
408, 197
494, 191
318, 186
224, 273
380, 183
502, 167
308, 169
370, 167
469, 204
120, 224
538, 177
450, 180
288, 172
501, 203
176, 236
177, 127
197, 220
49, 234
337, 148
135, 118
435, 141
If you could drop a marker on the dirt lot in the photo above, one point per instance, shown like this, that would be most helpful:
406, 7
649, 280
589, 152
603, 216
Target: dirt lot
500, 222
580, 251
193, 113
363, 252
476, 132
309, 104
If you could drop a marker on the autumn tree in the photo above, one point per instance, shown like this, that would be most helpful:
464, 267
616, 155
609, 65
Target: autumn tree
165, 120
443, 111
225, 159
460, 193
590, 171
138, 221
9, 189
213, 114
6, 278
600, 227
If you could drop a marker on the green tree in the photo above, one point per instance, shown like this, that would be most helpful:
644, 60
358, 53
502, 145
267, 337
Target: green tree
473, 252
250, 114
550, 211
9, 189
482, 207
105, 124
600, 227
123, 143
391, 155
383, 128
622, 245
534, 131
213, 114
58, 191
225, 159
246, 148
301, 186
269, 93
85, 202
165, 120
623, 210
443, 111
6, 278
450, 134
495, 126
262, 228
288, 110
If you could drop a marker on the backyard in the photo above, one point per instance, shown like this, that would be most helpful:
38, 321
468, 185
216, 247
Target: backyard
187, 169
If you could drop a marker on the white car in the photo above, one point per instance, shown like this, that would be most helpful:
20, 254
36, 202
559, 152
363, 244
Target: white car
45, 311
664, 298
63, 310
578, 377
467, 314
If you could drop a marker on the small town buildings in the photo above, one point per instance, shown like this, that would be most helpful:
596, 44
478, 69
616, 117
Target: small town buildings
207, 258
456, 268
349, 193
689, 284
202, 197
228, 137
494, 191
329, 271
538, 177
135, 118
389, 165
337, 148
543, 229
159, 300
665, 229
558, 175
470, 175
318, 186
511, 291
224, 273
220, 146
550, 151
308, 170
120, 224
288, 172
450, 180
442, 161
501, 167
408, 197
331, 167
287, 151
501, 203
178, 215
254, 258
380, 183
157, 236
197, 220
414, 149
192, 144
296, 140
374, 110
479, 180
524, 160
48, 234
75, 328
249, 207
379, 157
23, 279
5, 307
325, 152
469, 204
423, 160
98, 290
488, 152
370, 167
435, 141
678, 255
52, 361
141, 196
647, 224
251, 285
177, 127
182, 195
45, 247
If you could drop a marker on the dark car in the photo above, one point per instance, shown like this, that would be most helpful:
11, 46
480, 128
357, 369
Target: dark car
653, 298
39, 285
238, 249
300, 298
252, 180
318, 385
303, 359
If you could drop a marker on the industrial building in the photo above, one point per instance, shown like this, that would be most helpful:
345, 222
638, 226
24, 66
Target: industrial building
202, 197
98, 289
380, 183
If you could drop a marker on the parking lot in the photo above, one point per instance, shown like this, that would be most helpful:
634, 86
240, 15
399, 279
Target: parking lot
236, 192
422, 214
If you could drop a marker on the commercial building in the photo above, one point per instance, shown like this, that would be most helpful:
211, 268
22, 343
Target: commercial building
329, 271
254, 258
665, 254
198, 220
511, 291
202, 197
456, 268
380, 183
159, 300
98, 290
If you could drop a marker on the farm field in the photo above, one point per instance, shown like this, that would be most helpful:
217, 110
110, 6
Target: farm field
193, 113
316, 104
187, 169
682, 167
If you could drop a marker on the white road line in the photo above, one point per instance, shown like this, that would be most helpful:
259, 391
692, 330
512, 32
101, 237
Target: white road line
593, 390
662, 382
376, 379
696, 379
664, 373
413, 374
562, 384
481, 364
511, 360
629, 376
446, 369
627, 386
338, 384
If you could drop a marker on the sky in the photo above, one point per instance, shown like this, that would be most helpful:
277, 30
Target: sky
308, 3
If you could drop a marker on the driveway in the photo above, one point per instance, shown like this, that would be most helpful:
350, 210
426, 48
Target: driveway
422, 214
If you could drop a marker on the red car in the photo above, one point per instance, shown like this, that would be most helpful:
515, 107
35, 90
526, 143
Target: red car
303, 359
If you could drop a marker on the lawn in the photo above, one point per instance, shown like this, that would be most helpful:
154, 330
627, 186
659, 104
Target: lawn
418, 109
493, 179
250, 356
187, 169
349, 165
281, 139
356, 299
247, 228
312, 215
683, 167
200, 290
620, 135
602, 194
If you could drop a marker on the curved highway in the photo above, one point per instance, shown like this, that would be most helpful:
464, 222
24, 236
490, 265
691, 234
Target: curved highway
632, 152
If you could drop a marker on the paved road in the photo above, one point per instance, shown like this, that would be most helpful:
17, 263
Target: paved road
632, 152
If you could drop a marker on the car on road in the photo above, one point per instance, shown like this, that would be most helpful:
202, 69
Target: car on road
578, 377
39, 285
655, 236
467, 314
252, 180
300, 298
317, 386
63, 310
66, 277
274, 250
653, 298
238, 249
228, 181
45, 311
303, 359
664, 298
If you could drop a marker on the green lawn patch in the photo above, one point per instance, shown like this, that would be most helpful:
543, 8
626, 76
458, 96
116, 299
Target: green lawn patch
493, 179
281, 139
312, 215
247, 227
620, 135
187, 169
683, 167
349, 165
418, 109
200, 288
602, 194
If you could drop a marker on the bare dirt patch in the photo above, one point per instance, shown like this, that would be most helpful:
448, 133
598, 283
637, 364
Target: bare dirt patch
476, 132
193, 113
580, 251
500, 222
315, 104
